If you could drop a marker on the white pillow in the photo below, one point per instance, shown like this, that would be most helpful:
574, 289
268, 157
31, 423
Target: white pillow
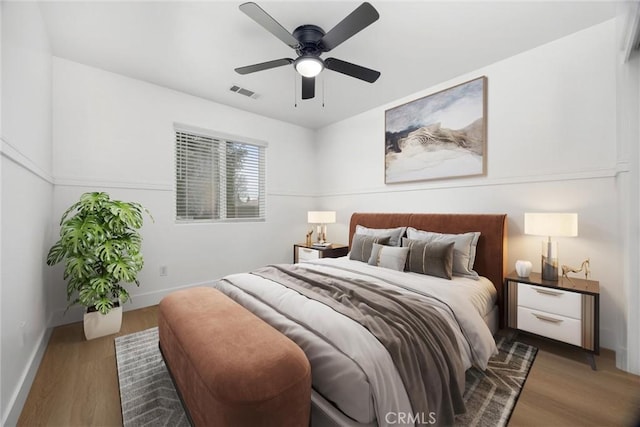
394, 234
388, 256
464, 248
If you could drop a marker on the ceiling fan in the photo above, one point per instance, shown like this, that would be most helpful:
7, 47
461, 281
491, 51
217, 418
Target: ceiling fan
310, 41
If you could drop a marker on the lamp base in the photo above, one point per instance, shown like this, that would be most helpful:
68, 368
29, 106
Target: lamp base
549, 268
550, 261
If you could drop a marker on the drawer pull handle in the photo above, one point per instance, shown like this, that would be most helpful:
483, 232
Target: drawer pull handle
547, 292
547, 319
307, 250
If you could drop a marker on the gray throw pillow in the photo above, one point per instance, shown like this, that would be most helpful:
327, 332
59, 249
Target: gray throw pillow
388, 256
362, 245
395, 234
432, 258
464, 249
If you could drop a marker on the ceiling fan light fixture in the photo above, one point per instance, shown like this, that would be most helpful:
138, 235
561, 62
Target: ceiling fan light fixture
309, 66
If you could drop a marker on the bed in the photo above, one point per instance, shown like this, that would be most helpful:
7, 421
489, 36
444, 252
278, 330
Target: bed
360, 370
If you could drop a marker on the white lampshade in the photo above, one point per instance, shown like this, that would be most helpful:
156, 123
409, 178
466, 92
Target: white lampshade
321, 217
551, 224
308, 66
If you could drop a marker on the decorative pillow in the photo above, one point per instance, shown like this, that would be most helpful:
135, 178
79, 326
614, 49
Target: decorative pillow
395, 234
432, 258
388, 256
464, 248
362, 245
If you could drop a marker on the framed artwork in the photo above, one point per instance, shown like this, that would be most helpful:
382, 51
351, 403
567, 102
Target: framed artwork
442, 135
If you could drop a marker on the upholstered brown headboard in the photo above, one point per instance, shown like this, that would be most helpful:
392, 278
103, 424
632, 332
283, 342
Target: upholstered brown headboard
491, 252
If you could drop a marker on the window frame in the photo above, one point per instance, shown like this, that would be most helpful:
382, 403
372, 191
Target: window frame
225, 138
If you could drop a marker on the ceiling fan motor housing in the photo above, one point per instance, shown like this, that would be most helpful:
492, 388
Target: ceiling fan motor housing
310, 37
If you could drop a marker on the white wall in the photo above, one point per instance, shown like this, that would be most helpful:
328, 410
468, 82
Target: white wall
27, 197
551, 147
115, 134
1, 204
633, 341
628, 94
633, 322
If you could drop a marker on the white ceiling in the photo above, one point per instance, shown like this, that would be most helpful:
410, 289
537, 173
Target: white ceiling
193, 47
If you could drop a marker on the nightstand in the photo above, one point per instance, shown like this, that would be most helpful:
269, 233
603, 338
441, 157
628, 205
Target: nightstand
303, 252
566, 310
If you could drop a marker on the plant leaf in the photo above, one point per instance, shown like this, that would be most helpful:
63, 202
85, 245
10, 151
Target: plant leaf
56, 253
104, 305
101, 285
79, 267
108, 251
122, 270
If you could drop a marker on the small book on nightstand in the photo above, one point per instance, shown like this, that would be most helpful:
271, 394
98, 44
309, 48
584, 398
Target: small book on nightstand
321, 245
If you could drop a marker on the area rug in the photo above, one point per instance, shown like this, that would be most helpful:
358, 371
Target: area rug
148, 396
490, 396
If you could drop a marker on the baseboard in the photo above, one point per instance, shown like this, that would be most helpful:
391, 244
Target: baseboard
621, 359
16, 403
76, 313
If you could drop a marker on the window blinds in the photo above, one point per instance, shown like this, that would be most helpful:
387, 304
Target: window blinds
218, 179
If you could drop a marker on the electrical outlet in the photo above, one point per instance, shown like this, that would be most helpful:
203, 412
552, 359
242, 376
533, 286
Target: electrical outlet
164, 271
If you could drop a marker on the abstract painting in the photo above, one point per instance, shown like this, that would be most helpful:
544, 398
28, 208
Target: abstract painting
441, 135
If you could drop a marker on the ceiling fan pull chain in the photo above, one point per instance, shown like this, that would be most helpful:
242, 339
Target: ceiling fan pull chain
322, 91
295, 90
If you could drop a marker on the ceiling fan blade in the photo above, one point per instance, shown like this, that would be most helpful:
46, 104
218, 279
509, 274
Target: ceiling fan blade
264, 66
308, 87
356, 21
256, 13
353, 70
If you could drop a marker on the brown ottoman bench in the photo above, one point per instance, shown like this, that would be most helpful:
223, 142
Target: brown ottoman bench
229, 366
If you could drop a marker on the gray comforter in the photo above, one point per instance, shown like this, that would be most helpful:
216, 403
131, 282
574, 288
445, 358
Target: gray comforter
351, 369
418, 339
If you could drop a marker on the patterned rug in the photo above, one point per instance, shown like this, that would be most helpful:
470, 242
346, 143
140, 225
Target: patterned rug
149, 398
147, 394
490, 396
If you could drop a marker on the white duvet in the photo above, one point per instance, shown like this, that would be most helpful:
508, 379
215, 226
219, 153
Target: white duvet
350, 367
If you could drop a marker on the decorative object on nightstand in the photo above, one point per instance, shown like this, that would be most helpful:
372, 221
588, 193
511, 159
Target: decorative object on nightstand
308, 239
321, 219
550, 224
310, 252
585, 266
566, 310
523, 268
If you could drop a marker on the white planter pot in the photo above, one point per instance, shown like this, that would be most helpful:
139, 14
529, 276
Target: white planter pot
98, 325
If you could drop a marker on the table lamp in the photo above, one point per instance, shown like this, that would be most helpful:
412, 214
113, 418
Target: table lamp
321, 218
550, 224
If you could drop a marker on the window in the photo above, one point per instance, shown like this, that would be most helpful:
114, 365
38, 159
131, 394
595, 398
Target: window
218, 178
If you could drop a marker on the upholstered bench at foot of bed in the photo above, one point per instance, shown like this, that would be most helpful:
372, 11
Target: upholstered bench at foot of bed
230, 367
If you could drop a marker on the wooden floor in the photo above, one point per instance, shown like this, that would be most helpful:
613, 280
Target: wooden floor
77, 385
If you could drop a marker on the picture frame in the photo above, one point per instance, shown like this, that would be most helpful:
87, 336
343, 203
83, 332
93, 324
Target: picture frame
441, 135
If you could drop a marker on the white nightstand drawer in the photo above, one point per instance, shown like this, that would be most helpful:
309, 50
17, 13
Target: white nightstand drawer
306, 254
550, 300
550, 325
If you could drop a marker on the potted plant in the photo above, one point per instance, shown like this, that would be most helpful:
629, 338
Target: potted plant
100, 245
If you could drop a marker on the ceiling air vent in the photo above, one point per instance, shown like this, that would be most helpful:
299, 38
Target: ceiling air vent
242, 91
